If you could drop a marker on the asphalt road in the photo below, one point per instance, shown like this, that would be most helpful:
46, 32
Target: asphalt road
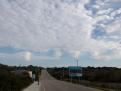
48, 83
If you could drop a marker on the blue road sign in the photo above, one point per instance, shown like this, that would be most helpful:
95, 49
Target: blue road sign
75, 71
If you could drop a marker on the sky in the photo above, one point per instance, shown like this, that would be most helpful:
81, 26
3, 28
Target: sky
53, 33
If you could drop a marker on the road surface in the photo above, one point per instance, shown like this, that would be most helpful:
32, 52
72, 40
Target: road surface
48, 83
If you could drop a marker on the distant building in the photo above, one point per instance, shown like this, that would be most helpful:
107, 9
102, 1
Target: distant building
30, 74
33, 77
20, 72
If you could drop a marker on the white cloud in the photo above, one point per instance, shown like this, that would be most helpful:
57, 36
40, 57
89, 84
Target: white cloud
104, 12
28, 56
116, 12
46, 26
112, 55
25, 56
75, 53
57, 53
114, 26
61, 25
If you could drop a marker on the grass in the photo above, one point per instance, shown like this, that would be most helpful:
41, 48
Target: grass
101, 85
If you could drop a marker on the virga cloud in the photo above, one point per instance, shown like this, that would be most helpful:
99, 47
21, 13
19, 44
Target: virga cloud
65, 25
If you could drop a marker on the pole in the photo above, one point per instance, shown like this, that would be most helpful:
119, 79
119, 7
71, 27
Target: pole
38, 75
78, 68
63, 73
77, 63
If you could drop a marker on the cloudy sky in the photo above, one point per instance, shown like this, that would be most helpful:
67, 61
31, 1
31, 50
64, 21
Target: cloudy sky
57, 32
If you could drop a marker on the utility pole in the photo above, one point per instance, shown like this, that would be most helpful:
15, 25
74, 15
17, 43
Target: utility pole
77, 62
38, 75
78, 68
63, 73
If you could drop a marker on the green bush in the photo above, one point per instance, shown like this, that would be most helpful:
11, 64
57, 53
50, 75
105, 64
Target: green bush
12, 82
